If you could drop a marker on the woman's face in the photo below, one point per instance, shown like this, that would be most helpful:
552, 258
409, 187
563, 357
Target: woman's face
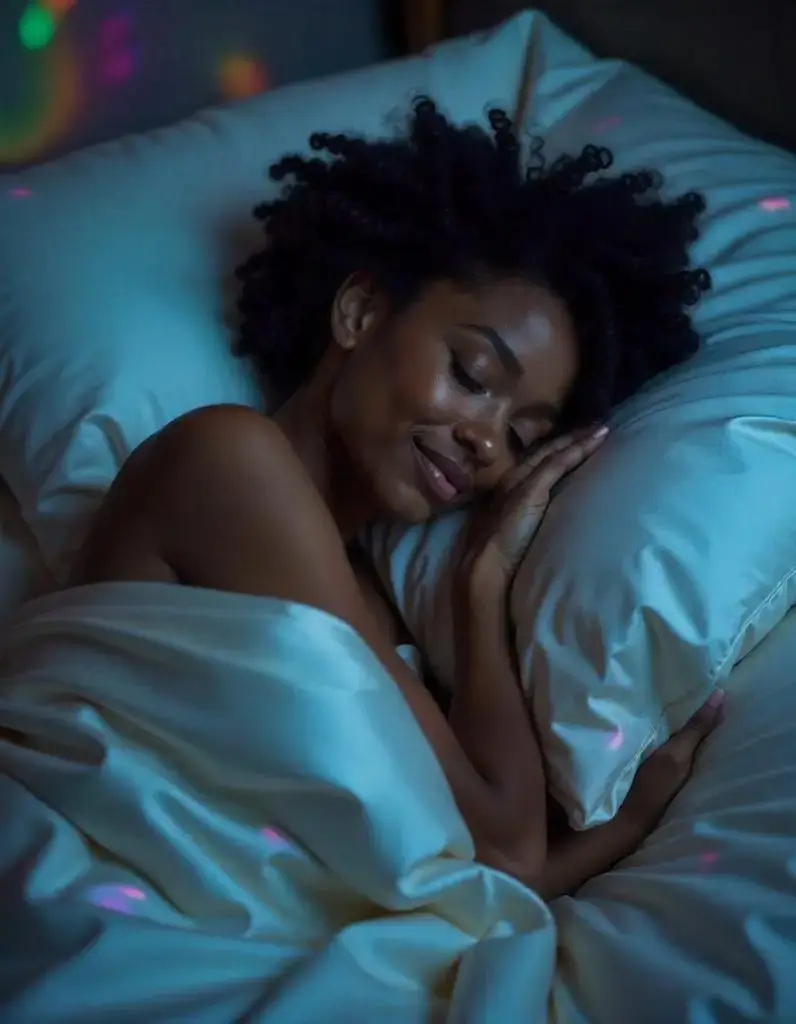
433, 405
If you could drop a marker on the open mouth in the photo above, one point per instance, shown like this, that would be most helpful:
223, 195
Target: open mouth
437, 481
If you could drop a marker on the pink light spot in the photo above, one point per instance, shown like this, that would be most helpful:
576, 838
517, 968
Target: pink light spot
616, 738
119, 67
605, 123
119, 898
133, 893
275, 837
19, 193
709, 859
115, 30
774, 204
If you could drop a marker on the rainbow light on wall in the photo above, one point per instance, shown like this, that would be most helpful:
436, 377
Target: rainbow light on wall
241, 75
51, 109
56, 76
53, 90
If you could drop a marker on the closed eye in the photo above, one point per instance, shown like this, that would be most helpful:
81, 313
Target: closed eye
463, 378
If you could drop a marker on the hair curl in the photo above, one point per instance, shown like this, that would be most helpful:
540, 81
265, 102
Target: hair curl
460, 203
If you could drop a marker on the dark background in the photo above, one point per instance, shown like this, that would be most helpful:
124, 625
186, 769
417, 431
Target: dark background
119, 66
736, 58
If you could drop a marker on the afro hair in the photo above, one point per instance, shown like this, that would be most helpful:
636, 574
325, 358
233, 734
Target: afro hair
445, 202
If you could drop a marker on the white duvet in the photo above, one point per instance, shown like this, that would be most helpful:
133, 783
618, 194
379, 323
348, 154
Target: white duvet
217, 808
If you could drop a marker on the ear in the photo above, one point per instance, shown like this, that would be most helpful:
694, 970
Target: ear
356, 311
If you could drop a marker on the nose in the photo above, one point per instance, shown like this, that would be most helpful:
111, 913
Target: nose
482, 440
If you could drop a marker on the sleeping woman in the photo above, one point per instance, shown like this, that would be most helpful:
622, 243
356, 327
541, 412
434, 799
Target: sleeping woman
448, 324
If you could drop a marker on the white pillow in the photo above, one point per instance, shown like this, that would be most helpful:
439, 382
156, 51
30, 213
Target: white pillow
700, 923
112, 262
673, 551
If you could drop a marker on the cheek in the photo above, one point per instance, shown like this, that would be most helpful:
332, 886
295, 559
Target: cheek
420, 383
399, 382
426, 396
370, 406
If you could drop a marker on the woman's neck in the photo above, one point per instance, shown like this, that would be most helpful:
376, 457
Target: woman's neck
304, 420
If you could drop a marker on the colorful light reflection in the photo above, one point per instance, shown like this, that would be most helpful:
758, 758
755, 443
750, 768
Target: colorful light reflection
58, 8
54, 93
774, 204
117, 48
122, 899
275, 838
36, 27
240, 76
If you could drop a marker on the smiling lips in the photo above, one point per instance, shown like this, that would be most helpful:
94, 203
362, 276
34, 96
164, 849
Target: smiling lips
445, 478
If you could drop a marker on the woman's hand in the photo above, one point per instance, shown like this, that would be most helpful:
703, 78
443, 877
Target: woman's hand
664, 773
575, 857
502, 528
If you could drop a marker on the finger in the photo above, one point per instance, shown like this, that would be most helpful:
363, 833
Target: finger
548, 473
700, 725
708, 717
588, 440
529, 464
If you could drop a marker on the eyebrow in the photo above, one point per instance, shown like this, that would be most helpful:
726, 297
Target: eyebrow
510, 362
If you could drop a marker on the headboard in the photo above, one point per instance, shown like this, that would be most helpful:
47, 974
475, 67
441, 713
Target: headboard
736, 58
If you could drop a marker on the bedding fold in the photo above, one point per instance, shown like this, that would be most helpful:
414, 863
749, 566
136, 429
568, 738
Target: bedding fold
219, 808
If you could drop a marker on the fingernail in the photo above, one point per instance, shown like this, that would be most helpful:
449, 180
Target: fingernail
600, 432
716, 699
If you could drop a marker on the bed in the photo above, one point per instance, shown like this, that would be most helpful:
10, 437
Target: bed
355, 898
23, 574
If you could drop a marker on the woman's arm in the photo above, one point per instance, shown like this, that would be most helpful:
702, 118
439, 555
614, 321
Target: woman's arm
385, 614
389, 621
489, 715
575, 857
219, 500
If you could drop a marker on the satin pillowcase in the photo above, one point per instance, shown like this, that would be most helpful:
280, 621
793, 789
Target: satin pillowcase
672, 553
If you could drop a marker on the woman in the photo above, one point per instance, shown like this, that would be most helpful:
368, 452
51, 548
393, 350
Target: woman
446, 327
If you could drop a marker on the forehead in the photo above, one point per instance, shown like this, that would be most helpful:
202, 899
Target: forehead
533, 321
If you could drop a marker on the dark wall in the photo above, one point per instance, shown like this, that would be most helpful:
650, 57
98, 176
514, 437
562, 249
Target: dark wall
734, 57
118, 66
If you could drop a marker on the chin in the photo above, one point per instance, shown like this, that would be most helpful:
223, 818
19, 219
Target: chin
403, 504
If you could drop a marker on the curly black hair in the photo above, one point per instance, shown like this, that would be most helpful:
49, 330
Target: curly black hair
457, 203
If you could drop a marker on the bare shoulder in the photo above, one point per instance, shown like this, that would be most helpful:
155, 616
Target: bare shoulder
217, 441
220, 500
223, 472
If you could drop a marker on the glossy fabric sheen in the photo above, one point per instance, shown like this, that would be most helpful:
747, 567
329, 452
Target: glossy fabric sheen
218, 808
699, 925
672, 552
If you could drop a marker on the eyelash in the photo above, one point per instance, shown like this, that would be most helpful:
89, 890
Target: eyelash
463, 378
